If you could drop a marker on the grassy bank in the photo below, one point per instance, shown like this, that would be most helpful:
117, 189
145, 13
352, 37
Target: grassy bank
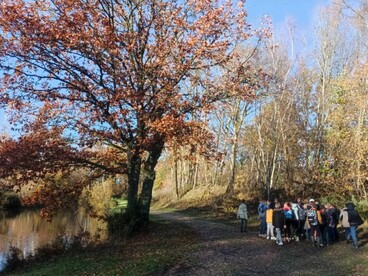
170, 244
150, 252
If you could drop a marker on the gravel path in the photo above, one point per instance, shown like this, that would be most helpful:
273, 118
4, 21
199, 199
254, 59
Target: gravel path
223, 250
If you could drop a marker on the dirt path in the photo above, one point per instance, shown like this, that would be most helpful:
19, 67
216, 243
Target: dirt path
223, 250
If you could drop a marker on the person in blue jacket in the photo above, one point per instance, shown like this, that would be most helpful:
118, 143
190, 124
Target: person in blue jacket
262, 208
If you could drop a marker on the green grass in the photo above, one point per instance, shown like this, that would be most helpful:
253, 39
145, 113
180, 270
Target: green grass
101, 264
117, 205
75, 264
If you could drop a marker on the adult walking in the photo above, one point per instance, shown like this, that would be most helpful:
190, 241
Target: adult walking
354, 220
243, 216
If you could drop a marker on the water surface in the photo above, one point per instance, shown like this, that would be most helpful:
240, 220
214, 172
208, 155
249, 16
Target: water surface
28, 231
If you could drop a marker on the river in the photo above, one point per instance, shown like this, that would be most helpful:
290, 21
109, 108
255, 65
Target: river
28, 231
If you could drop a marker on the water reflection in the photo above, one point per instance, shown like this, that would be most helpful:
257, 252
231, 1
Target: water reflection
2, 260
28, 231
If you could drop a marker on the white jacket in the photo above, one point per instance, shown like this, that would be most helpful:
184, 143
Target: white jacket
242, 212
344, 218
294, 206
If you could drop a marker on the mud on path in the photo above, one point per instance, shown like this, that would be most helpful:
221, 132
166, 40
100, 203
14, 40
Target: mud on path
223, 250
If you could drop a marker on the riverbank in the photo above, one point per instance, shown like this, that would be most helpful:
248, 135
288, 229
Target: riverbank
187, 244
152, 251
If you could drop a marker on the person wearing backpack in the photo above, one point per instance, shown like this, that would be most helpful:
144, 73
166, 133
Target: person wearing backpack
314, 220
262, 208
354, 220
295, 224
301, 216
278, 221
289, 220
243, 216
306, 224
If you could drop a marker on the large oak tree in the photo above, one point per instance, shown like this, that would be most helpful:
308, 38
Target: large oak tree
115, 71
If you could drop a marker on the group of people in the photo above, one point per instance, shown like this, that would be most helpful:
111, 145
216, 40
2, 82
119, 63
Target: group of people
303, 221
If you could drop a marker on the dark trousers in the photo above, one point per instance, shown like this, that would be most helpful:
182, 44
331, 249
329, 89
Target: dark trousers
289, 228
243, 225
262, 226
331, 234
315, 233
324, 234
300, 232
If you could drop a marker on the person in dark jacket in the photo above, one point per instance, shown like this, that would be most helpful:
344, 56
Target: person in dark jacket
332, 214
354, 220
278, 220
323, 227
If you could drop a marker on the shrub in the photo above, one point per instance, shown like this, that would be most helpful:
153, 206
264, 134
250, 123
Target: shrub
11, 201
14, 259
362, 207
115, 224
97, 197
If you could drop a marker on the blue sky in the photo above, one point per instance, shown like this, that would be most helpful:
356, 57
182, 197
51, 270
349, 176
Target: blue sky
3, 124
301, 11
280, 10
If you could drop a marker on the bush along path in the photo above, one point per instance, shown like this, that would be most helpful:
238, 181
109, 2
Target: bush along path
223, 250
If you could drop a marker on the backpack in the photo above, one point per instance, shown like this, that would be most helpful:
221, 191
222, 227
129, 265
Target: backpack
312, 217
302, 213
289, 214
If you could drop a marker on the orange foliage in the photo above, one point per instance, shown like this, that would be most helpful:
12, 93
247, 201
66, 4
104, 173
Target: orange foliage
114, 72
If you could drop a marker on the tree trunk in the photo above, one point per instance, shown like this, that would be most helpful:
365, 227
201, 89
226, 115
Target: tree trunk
134, 171
234, 152
175, 171
176, 181
137, 212
148, 177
